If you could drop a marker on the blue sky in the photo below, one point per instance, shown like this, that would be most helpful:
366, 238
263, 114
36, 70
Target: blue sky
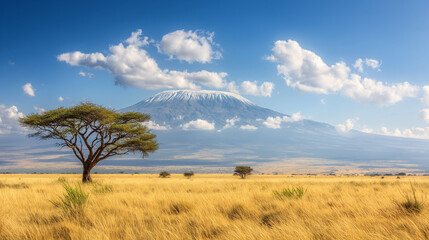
394, 33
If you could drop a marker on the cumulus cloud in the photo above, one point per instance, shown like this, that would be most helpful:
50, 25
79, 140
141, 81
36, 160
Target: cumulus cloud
136, 40
190, 46
425, 98
350, 123
28, 89
60, 99
275, 122
199, 124
155, 126
9, 119
39, 110
132, 66
230, 123
408, 132
371, 92
372, 63
424, 114
249, 127
304, 70
84, 74
251, 88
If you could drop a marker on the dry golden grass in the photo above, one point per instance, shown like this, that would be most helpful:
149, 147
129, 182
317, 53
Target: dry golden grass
214, 207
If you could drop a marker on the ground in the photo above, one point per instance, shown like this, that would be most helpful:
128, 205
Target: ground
144, 206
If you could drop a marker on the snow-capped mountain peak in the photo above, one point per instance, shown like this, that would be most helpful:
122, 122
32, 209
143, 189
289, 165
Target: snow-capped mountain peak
197, 95
176, 108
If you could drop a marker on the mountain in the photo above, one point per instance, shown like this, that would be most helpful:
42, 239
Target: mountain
176, 108
245, 133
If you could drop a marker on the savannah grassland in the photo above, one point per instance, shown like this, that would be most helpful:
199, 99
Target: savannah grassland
144, 206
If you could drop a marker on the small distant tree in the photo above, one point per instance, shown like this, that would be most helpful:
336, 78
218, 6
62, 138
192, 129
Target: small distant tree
93, 132
164, 174
188, 174
243, 171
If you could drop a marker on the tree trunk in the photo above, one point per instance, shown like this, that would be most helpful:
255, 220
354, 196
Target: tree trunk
86, 177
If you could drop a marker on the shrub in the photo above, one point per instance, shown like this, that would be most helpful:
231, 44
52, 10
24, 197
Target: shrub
243, 171
62, 180
164, 174
188, 174
411, 204
73, 201
294, 192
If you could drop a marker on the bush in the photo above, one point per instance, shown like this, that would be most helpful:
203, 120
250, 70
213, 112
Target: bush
188, 174
62, 180
164, 174
243, 171
294, 192
411, 204
73, 201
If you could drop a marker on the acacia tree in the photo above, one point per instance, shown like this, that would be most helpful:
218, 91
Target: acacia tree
93, 132
243, 171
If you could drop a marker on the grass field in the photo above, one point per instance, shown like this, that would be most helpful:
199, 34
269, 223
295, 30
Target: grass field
143, 206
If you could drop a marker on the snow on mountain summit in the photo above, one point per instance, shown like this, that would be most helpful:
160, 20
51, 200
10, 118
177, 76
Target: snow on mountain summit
197, 95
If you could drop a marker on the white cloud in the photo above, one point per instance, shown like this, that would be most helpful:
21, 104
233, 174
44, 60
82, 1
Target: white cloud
132, 66
230, 123
189, 46
408, 132
60, 99
135, 39
155, 126
304, 70
28, 89
84, 74
198, 124
372, 63
350, 123
39, 110
425, 98
371, 92
251, 88
275, 122
367, 130
424, 114
249, 127
359, 64
307, 72
9, 119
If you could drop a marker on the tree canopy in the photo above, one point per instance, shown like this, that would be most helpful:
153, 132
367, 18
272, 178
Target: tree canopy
93, 132
243, 171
